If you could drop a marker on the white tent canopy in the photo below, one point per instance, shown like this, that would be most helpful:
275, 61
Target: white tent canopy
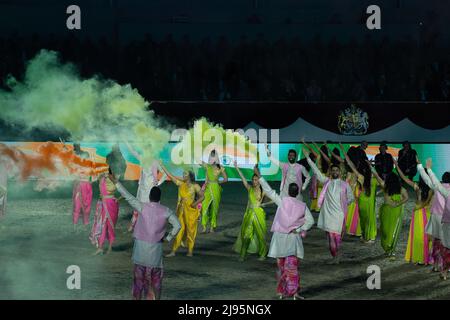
401, 131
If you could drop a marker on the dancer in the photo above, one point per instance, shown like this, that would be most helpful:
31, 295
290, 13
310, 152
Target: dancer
352, 224
190, 195
292, 220
213, 191
252, 238
82, 191
445, 240
434, 226
418, 250
334, 199
323, 163
148, 238
391, 211
366, 201
147, 180
106, 215
291, 172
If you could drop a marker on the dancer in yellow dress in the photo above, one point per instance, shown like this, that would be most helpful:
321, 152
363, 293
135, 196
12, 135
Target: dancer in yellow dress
418, 250
213, 191
189, 196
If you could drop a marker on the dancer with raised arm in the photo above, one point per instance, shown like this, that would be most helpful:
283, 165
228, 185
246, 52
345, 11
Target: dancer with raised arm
252, 238
445, 239
148, 239
106, 215
323, 162
418, 250
292, 220
334, 199
82, 191
434, 226
291, 172
147, 180
366, 201
391, 211
190, 195
213, 191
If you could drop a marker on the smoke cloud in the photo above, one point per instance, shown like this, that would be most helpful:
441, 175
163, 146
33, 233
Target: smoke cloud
52, 96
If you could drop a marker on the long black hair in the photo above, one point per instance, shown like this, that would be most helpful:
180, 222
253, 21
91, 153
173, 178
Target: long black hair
366, 171
424, 188
392, 184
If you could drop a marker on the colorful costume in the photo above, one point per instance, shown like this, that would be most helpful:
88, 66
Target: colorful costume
147, 251
391, 219
418, 249
252, 238
353, 222
367, 212
82, 200
334, 199
445, 239
187, 216
290, 224
434, 226
106, 214
213, 193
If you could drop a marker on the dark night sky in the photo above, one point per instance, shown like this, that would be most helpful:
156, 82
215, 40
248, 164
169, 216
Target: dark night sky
229, 17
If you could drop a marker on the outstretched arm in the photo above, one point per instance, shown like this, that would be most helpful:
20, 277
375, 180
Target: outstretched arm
412, 184
175, 179
269, 155
133, 151
425, 177
307, 177
135, 203
175, 223
244, 181
438, 185
375, 174
316, 170
310, 148
322, 154
270, 193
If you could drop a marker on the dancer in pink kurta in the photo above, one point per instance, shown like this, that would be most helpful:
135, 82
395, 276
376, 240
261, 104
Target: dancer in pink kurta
82, 192
106, 215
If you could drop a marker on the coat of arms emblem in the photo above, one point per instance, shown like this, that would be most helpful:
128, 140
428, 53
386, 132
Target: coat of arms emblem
353, 121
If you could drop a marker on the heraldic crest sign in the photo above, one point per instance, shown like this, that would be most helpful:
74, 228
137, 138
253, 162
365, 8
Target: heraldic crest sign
353, 121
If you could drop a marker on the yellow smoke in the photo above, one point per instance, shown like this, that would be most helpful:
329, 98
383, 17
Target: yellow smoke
52, 95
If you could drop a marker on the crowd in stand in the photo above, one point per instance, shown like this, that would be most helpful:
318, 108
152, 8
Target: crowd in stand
218, 69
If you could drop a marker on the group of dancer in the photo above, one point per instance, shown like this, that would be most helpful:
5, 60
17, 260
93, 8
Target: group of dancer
342, 188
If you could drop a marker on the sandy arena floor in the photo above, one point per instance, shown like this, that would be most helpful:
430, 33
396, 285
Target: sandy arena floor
37, 244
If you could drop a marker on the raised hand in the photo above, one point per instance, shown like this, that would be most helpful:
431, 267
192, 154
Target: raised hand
235, 163
306, 152
429, 163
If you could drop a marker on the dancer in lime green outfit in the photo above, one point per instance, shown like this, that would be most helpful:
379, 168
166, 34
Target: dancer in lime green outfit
213, 191
419, 246
252, 238
367, 213
366, 201
391, 211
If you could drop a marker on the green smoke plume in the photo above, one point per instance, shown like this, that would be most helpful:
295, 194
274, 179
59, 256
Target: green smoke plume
52, 95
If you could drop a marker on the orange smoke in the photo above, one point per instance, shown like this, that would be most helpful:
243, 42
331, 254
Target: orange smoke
51, 157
